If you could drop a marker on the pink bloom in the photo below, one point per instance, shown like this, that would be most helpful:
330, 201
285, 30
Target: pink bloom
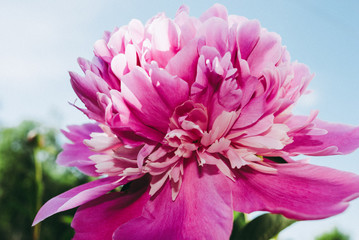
194, 119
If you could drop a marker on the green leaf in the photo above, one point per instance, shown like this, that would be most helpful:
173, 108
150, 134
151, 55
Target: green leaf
264, 227
335, 234
277, 159
66, 219
238, 223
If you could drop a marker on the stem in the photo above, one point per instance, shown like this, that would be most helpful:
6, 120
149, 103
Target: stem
39, 191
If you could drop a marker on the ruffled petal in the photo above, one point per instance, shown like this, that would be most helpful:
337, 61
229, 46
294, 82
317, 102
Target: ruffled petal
144, 100
251, 112
215, 33
129, 127
77, 196
217, 10
98, 219
340, 139
172, 90
247, 37
187, 58
202, 210
266, 53
77, 154
297, 190
86, 89
165, 39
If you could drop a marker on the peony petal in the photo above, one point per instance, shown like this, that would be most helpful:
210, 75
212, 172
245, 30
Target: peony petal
188, 25
247, 37
297, 124
207, 79
275, 138
251, 113
165, 39
164, 34
77, 196
215, 159
101, 69
229, 95
298, 190
217, 10
101, 142
88, 65
215, 32
99, 218
260, 126
266, 53
77, 133
144, 100
187, 58
201, 210
143, 153
261, 142
172, 90
119, 65
220, 128
340, 139
131, 56
77, 154
116, 43
126, 125
101, 50
136, 30
86, 89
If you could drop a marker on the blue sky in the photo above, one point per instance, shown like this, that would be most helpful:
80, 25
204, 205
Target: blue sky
40, 41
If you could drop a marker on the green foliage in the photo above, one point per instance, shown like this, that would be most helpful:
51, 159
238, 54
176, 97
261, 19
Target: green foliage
239, 221
335, 234
263, 227
29, 176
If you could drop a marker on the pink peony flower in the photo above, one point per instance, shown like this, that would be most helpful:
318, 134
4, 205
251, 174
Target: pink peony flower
194, 121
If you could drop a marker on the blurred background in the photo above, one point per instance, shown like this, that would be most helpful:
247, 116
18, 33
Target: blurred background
41, 40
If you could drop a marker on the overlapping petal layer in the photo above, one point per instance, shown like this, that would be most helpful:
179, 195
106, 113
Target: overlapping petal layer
77, 154
203, 210
112, 210
77, 196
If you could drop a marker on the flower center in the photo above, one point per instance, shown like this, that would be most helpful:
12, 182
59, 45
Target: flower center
187, 125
